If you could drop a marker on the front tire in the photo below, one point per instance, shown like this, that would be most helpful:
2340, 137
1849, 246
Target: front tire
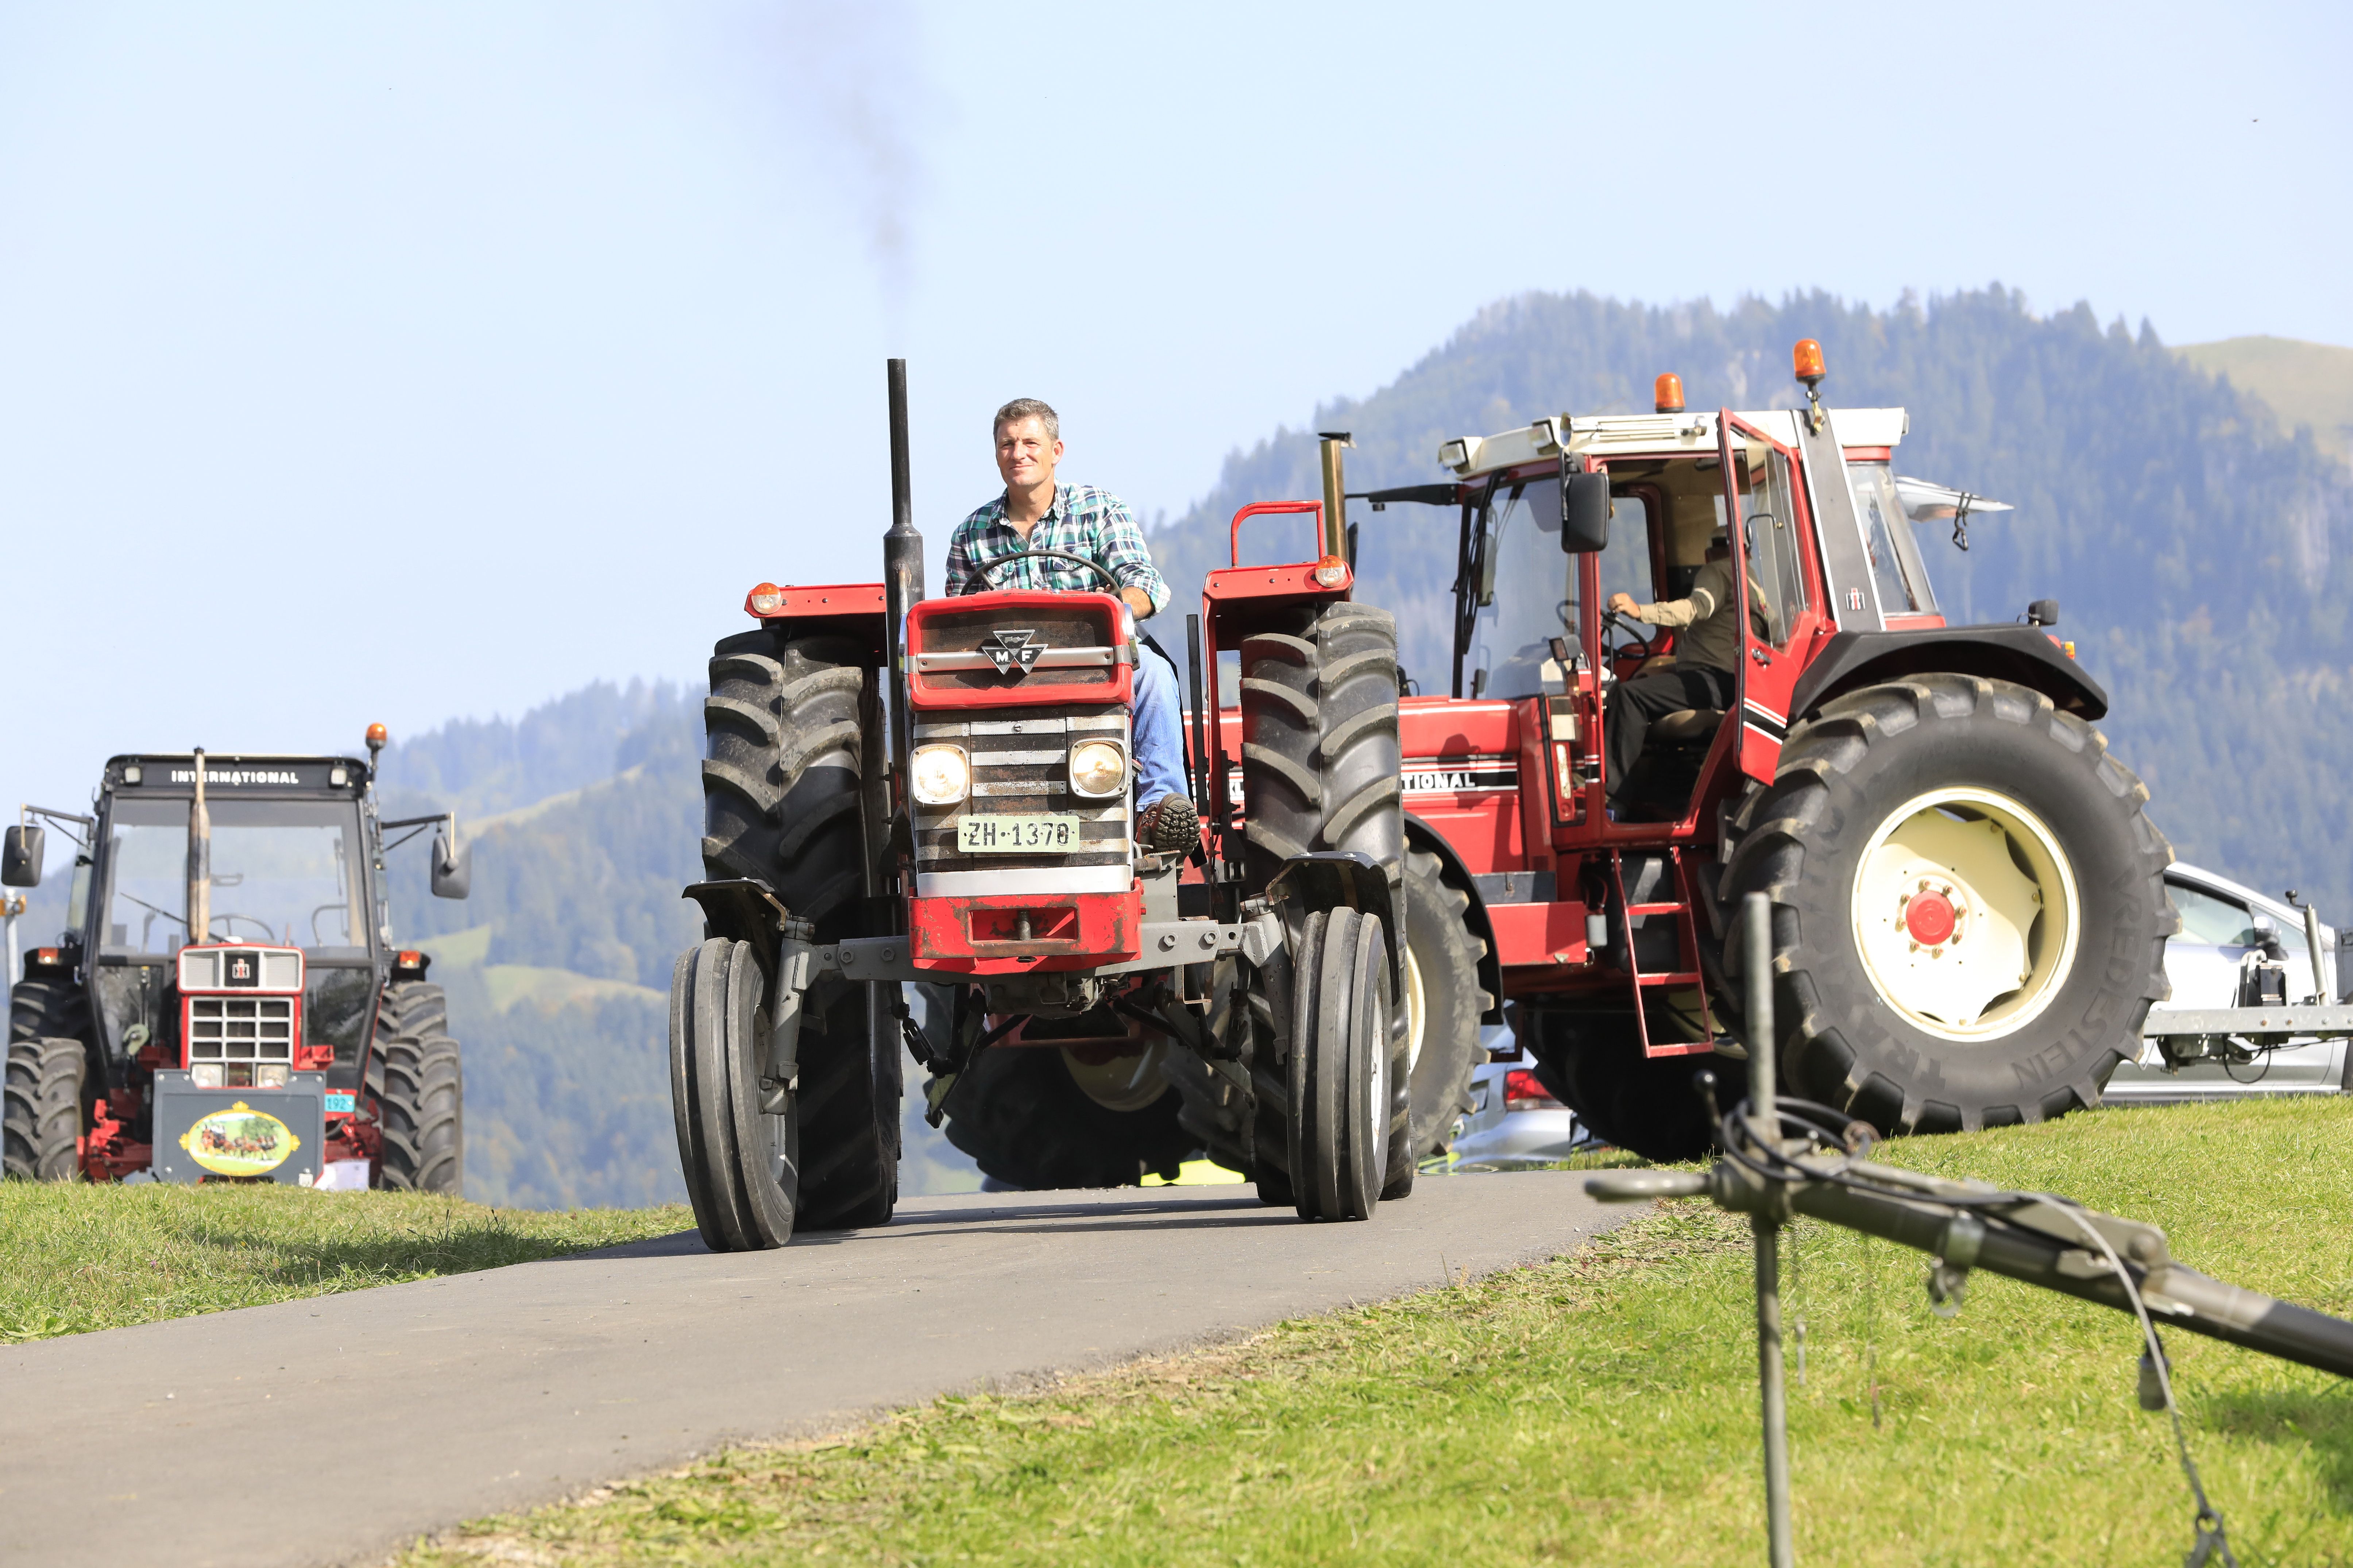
418, 1084
1341, 1045
42, 1118
738, 1138
1441, 1003
1970, 913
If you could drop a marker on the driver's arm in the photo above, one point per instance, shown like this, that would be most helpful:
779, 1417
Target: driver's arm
1119, 545
1670, 612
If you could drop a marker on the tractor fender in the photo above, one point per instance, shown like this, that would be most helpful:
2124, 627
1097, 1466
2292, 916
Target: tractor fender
743, 909
1331, 880
2023, 655
1421, 836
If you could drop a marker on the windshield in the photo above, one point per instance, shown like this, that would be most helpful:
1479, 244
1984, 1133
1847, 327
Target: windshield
1895, 563
1524, 588
282, 871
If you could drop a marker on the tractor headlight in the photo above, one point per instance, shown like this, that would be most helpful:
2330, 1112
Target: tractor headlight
940, 775
1097, 769
206, 1075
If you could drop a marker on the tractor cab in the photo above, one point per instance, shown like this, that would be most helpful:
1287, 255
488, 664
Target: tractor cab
226, 946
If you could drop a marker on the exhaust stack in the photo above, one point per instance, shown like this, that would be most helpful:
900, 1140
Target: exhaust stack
1335, 494
903, 564
200, 860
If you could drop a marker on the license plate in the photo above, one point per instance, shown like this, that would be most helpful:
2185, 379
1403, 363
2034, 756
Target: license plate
1047, 834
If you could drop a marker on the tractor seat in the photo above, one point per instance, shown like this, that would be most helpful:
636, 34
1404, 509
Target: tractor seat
1686, 726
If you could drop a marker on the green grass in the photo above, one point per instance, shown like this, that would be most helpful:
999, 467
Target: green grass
82, 1257
1602, 1409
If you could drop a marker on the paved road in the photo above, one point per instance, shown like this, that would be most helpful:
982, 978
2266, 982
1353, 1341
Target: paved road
332, 1430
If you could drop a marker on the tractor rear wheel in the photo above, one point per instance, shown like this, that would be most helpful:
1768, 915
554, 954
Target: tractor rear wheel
1341, 1050
1970, 913
1441, 1002
1321, 771
42, 1118
1037, 1117
791, 721
1593, 1062
418, 1085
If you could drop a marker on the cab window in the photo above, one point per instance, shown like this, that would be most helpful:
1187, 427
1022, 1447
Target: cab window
1895, 564
1523, 589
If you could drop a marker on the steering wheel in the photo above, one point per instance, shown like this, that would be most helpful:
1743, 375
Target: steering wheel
980, 574
229, 919
1642, 650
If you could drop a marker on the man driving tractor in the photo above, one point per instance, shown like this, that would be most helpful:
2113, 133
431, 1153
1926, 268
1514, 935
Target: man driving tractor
1706, 659
1036, 514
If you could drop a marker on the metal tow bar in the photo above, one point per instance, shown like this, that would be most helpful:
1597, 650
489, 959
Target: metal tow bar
1785, 1156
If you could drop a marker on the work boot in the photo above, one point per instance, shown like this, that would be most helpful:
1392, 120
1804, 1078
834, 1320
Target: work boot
1170, 825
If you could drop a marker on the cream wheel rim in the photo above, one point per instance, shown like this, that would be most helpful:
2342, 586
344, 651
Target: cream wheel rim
1417, 1009
1966, 914
1127, 1082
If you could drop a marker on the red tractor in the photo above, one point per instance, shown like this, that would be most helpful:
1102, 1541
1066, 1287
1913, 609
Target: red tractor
939, 791
1969, 911
290, 1041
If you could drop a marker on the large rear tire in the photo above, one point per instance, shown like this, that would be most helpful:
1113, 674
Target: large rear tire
1970, 913
418, 1084
42, 1118
1321, 771
1593, 1062
1023, 1116
1441, 1003
787, 800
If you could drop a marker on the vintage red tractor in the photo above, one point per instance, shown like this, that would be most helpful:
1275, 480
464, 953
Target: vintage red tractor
1970, 913
226, 1001
939, 791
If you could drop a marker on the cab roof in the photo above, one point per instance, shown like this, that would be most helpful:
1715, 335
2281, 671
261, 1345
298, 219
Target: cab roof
1471, 456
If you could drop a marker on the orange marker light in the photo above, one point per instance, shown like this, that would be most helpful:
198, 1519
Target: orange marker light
377, 735
1806, 358
763, 600
1667, 392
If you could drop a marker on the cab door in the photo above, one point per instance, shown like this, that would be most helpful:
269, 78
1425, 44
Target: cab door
1772, 554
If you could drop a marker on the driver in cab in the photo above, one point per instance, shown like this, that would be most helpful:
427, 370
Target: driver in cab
1706, 657
1036, 514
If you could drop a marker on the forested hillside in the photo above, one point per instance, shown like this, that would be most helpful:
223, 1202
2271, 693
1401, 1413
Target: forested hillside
2200, 548
2202, 551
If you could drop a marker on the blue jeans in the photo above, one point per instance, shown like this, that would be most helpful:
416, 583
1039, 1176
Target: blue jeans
1160, 730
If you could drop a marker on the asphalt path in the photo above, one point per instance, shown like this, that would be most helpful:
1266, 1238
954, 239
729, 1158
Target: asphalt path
333, 1430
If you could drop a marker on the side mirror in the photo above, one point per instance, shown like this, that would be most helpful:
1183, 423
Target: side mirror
453, 875
2043, 613
20, 863
1584, 512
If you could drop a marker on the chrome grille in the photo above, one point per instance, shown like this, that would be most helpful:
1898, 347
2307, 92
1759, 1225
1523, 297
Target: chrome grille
1020, 765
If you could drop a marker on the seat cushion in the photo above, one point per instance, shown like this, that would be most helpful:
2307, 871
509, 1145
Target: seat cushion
1686, 725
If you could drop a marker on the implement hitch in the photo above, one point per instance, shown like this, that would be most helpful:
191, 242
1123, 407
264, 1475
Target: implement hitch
1785, 1157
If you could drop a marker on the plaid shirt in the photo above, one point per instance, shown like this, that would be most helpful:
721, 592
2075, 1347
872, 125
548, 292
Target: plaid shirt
1083, 521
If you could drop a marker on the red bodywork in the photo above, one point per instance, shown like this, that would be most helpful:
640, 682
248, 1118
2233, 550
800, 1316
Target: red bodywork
1511, 792
949, 679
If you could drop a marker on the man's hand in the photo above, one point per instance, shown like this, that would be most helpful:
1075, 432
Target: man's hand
1139, 601
1623, 604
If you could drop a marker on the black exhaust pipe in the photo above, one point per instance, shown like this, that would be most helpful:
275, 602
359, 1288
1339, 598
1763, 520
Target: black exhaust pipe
902, 568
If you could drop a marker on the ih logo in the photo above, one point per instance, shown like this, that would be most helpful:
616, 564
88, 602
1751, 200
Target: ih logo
1011, 650
241, 968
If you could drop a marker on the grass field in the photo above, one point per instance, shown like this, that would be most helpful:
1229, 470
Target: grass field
80, 1257
1601, 1409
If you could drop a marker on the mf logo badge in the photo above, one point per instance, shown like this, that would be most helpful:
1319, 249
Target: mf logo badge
1011, 650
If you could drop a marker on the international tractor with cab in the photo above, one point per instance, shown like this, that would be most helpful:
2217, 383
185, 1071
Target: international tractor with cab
1969, 903
226, 1002
940, 792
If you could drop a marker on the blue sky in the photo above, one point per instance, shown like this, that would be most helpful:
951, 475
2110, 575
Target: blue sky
406, 362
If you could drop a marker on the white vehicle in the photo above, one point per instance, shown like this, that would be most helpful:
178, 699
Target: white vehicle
1513, 1122
2222, 923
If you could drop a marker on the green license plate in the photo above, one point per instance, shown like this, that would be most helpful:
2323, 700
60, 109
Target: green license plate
1050, 834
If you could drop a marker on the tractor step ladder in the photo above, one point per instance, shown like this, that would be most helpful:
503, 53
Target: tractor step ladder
1687, 970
